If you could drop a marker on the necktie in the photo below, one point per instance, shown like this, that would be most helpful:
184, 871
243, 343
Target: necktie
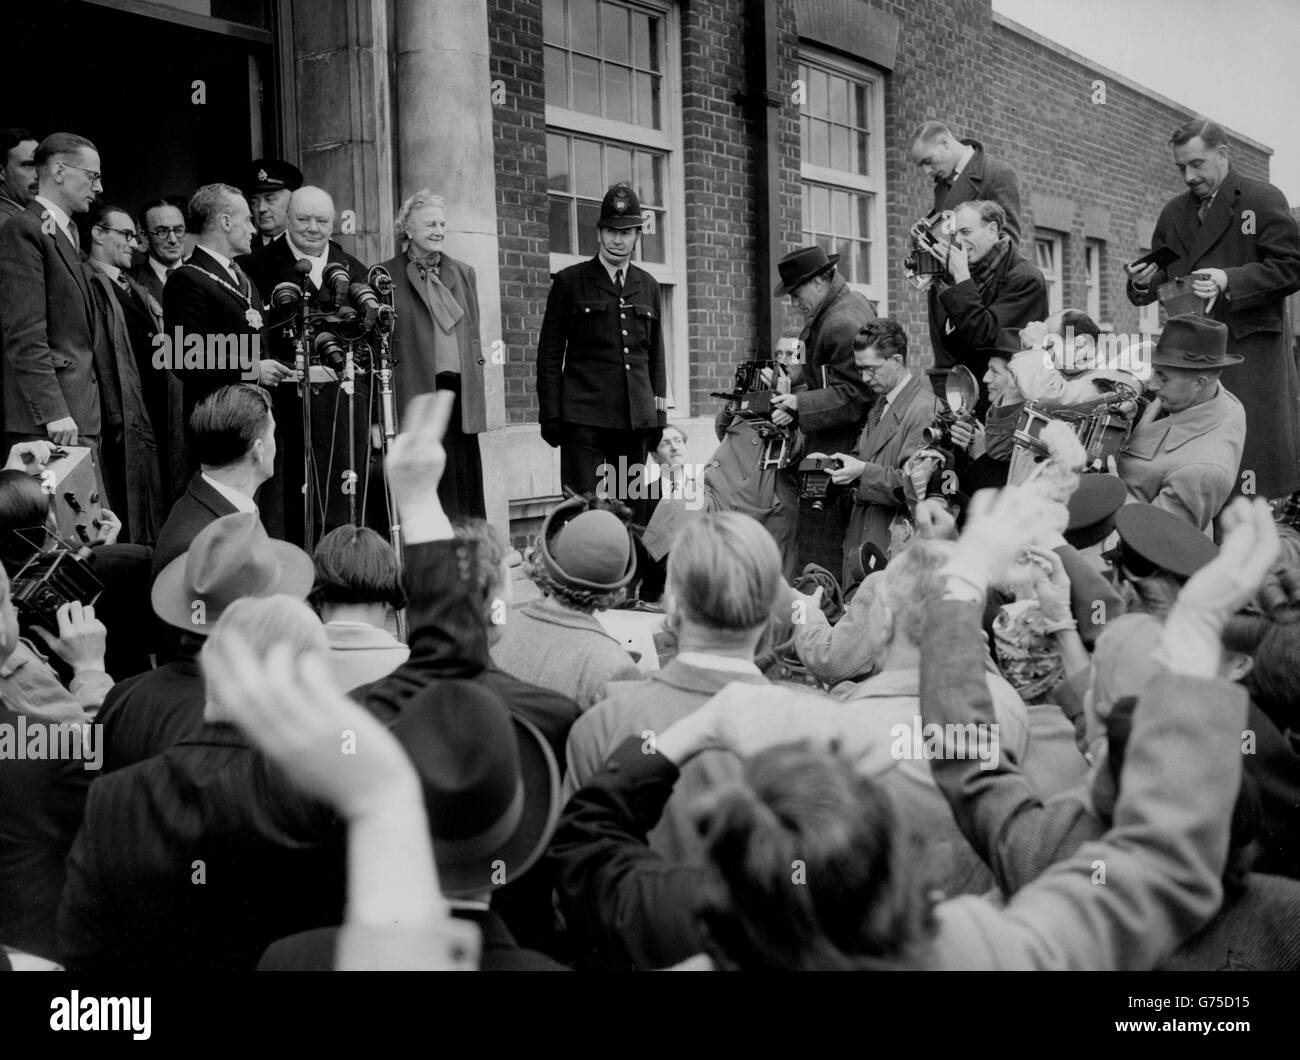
1204, 208
121, 281
618, 280
876, 414
240, 279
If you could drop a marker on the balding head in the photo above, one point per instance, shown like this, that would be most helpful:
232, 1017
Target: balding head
311, 219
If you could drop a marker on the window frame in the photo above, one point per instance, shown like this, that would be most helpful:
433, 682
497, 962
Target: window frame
1093, 249
877, 292
1056, 278
670, 274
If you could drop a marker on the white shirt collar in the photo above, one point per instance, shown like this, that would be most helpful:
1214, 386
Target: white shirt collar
160, 270
317, 261
64, 221
241, 501
898, 389
706, 660
224, 261
107, 268
611, 269
962, 162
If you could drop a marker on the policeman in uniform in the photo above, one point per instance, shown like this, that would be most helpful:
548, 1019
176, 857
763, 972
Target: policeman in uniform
269, 184
601, 381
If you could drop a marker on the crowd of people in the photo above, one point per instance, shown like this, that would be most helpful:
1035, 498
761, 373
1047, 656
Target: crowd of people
899, 717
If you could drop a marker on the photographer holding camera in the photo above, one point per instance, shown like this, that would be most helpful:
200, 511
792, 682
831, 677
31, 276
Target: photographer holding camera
903, 409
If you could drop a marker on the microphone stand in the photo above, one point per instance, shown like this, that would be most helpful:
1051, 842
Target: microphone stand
302, 364
349, 388
382, 282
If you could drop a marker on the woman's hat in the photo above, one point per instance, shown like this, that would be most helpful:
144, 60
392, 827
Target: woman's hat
586, 549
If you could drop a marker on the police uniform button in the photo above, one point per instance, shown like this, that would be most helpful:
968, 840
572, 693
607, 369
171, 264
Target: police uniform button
625, 349
586, 309
625, 333
627, 367
622, 316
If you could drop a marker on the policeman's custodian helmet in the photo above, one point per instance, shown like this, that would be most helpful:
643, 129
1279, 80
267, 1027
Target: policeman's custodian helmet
620, 208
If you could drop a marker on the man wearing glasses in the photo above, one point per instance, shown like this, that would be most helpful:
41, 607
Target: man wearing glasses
164, 239
141, 427
47, 311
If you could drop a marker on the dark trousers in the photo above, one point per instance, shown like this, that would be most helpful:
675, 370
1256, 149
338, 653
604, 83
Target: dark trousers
584, 450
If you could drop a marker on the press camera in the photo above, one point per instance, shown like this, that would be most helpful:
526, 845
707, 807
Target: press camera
815, 479
920, 266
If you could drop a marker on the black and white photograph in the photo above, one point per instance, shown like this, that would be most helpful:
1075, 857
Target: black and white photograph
648, 485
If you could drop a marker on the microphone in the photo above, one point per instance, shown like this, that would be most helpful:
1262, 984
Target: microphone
363, 296
302, 267
335, 282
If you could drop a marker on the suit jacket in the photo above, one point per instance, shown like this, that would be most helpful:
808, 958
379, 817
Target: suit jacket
1250, 234
146, 714
41, 801
601, 363
631, 708
984, 178
163, 394
833, 399
886, 448
144, 276
199, 305
200, 505
47, 318
416, 371
1004, 293
128, 449
1186, 463
197, 859
280, 499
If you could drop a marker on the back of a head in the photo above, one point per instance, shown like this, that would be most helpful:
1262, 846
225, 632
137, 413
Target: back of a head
909, 581
208, 203
354, 565
263, 622
24, 506
724, 572
224, 425
807, 870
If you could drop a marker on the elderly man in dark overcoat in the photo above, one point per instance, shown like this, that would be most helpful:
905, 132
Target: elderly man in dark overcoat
1235, 237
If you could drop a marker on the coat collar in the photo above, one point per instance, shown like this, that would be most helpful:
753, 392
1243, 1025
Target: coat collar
889, 423
1152, 436
687, 678
837, 289
547, 609
1197, 237
599, 277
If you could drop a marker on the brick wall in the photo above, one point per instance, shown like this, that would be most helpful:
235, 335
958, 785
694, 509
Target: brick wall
1094, 170
519, 130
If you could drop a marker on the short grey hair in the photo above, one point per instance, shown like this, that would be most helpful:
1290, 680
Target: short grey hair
422, 198
210, 202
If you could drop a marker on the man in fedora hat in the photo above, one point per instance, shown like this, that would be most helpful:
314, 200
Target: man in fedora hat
601, 379
269, 184
1184, 453
229, 558
828, 399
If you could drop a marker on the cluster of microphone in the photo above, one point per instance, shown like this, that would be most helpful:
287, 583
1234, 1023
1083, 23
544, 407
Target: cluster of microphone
348, 312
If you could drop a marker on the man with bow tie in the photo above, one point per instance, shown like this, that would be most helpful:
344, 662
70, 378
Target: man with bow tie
437, 343
310, 217
1235, 237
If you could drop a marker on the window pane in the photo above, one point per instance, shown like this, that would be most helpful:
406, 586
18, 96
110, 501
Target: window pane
839, 100
553, 21
586, 85
652, 246
618, 93
839, 147
641, 41
841, 213
821, 149
817, 92
586, 170
618, 166
805, 212
557, 162
858, 112
557, 78
860, 154
864, 262
644, 113
654, 43
560, 225
649, 178
613, 27
588, 214
862, 216
821, 215
582, 25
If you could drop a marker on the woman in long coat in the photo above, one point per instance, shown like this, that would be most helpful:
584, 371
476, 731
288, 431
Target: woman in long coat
436, 343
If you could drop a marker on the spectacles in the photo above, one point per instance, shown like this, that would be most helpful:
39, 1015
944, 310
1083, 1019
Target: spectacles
95, 177
126, 233
162, 233
871, 369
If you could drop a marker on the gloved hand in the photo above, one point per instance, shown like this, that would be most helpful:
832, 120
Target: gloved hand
551, 433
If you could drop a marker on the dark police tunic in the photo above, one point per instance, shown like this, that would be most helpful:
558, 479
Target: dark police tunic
600, 358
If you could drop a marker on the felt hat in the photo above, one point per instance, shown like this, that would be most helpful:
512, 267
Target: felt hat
1006, 346
1193, 342
800, 266
586, 549
491, 783
229, 559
